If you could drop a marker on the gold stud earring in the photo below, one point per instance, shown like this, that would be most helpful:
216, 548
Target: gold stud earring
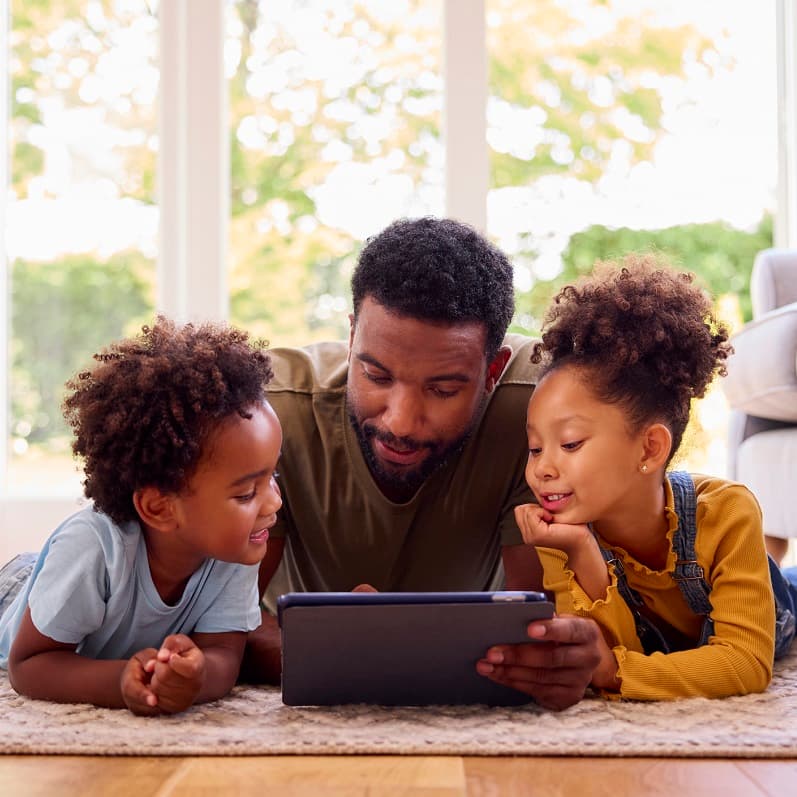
643, 467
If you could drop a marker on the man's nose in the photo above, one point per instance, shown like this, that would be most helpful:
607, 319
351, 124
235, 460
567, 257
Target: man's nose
404, 412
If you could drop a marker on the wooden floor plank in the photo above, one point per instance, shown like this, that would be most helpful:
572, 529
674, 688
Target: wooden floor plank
322, 775
68, 776
616, 777
364, 776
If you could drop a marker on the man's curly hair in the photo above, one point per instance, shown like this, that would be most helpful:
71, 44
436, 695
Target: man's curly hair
142, 415
645, 336
437, 270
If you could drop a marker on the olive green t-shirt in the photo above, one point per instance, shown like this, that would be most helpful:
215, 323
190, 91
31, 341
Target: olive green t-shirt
340, 529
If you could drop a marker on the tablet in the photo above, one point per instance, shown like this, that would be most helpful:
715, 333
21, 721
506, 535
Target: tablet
399, 648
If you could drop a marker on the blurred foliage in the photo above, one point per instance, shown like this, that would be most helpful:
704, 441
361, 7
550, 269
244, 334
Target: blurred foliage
62, 312
720, 255
316, 88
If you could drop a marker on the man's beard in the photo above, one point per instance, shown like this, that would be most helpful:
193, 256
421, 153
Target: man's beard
407, 483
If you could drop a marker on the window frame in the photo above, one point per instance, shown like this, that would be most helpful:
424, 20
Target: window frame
194, 181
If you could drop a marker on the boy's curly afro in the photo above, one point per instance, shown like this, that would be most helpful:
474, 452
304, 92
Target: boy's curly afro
142, 414
645, 336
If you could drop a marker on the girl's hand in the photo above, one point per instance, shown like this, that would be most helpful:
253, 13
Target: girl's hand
576, 541
177, 673
538, 527
135, 685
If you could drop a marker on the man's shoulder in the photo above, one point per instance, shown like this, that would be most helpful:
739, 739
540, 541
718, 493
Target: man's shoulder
319, 367
519, 370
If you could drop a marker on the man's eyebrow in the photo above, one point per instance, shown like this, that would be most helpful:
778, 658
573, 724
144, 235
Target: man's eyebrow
454, 376
367, 358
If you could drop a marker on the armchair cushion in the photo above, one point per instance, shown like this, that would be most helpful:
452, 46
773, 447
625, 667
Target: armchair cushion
762, 372
766, 465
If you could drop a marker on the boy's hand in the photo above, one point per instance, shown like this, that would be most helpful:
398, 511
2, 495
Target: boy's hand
135, 685
538, 528
177, 673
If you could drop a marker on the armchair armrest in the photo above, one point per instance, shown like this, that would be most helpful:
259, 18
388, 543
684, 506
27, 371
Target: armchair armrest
762, 373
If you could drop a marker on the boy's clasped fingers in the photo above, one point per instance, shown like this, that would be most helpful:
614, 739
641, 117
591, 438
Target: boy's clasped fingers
135, 684
178, 672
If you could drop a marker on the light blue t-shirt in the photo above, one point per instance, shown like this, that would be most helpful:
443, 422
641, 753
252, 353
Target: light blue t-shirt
91, 586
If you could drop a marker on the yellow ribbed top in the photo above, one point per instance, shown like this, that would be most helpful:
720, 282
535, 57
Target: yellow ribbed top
730, 547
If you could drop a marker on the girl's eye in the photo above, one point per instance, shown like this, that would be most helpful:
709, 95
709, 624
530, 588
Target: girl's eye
534, 452
572, 446
244, 499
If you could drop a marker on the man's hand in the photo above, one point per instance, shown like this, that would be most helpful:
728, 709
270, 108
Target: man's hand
557, 669
177, 673
262, 662
135, 685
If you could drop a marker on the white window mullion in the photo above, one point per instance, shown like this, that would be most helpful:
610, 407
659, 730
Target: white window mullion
786, 210
465, 111
5, 281
193, 162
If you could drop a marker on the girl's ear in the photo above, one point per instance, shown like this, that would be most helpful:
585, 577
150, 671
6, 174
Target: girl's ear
156, 509
656, 444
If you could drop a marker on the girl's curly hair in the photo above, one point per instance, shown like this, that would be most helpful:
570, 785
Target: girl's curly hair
644, 335
142, 414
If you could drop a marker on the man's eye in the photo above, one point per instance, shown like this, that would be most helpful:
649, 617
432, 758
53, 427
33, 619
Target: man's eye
440, 393
377, 379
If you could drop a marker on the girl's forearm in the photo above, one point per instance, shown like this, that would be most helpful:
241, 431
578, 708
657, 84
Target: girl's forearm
66, 677
590, 569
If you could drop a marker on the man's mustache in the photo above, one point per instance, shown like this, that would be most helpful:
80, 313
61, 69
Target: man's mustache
397, 443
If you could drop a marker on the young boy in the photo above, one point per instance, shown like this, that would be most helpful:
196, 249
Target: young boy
144, 600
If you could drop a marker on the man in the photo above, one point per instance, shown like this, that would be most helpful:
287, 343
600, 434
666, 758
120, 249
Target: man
404, 453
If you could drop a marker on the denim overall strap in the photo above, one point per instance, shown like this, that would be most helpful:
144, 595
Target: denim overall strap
651, 638
688, 574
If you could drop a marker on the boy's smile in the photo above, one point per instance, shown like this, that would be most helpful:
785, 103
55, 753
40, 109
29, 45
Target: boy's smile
232, 500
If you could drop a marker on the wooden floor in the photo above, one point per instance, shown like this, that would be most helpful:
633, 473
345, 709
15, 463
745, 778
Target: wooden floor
334, 776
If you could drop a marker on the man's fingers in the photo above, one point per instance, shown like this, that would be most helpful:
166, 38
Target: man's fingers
565, 629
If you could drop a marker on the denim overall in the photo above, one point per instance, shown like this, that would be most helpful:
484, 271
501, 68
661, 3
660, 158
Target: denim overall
691, 580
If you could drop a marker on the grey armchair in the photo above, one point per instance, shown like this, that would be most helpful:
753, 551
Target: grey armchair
761, 388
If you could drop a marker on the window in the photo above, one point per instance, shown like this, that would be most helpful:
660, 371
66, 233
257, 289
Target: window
204, 158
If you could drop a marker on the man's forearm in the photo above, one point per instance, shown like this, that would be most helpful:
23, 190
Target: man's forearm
262, 662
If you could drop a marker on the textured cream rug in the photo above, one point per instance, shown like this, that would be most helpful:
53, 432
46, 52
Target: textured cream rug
253, 721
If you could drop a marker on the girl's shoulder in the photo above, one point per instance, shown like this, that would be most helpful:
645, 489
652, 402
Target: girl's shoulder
714, 493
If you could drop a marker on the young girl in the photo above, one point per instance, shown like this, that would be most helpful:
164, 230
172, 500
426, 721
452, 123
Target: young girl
671, 566
144, 600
